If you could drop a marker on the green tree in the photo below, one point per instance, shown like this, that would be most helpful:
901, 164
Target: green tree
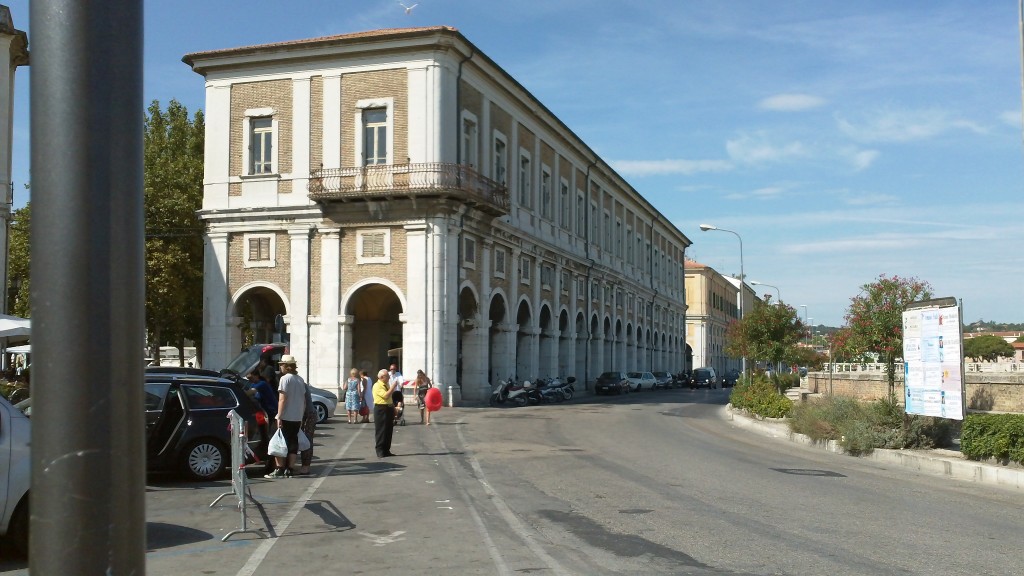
19, 256
769, 332
988, 348
875, 318
174, 241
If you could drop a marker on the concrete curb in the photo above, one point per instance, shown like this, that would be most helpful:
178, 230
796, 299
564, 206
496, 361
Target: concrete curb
937, 462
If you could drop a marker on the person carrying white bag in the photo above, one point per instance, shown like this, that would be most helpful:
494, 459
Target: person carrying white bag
291, 405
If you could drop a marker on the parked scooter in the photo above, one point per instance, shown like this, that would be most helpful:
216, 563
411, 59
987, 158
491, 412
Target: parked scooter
506, 391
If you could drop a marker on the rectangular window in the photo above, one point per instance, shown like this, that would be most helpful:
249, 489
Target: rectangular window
373, 247
629, 246
581, 215
375, 136
547, 276
499, 263
261, 138
545, 193
595, 225
469, 142
607, 243
524, 181
500, 159
469, 254
259, 251
524, 270
565, 282
618, 238
564, 206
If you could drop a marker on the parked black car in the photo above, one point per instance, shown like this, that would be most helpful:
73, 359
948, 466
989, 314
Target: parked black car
612, 383
187, 425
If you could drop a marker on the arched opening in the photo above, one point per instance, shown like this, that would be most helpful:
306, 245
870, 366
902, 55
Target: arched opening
565, 349
546, 345
524, 343
258, 309
500, 366
467, 343
376, 328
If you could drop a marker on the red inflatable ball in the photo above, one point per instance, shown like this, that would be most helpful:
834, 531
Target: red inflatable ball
432, 400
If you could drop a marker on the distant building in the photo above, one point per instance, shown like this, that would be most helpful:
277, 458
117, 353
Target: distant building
396, 195
13, 51
712, 303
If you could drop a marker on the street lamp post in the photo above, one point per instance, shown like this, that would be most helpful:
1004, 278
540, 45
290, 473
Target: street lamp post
806, 319
705, 228
777, 291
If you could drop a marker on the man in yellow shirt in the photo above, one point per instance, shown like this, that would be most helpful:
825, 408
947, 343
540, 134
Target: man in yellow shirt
383, 418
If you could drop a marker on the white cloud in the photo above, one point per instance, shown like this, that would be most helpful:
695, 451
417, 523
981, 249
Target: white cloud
871, 200
1011, 118
904, 125
660, 167
859, 158
755, 150
791, 102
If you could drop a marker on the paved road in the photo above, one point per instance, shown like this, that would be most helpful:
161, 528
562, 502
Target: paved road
655, 482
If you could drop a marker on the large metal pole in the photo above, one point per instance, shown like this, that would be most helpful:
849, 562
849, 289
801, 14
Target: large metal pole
88, 458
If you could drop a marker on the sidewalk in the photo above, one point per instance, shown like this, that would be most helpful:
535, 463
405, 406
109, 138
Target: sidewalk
939, 462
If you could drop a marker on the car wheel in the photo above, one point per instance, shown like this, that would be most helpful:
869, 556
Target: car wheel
321, 412
204, 460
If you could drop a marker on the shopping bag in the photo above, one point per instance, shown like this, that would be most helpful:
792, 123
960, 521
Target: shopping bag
278, 447
304, 443
364, 410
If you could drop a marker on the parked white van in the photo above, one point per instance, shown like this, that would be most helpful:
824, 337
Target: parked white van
15, 475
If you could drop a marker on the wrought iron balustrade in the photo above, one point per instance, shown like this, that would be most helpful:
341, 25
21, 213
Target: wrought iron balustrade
426, 179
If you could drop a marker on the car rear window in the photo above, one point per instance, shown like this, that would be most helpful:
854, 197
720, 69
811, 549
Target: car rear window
200, 397
609, 375
634, 375
702, 373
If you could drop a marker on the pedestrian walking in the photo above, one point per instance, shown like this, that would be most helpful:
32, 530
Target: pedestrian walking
383, 419
309, 420
422, 385
354, 398
367, 397
291, 405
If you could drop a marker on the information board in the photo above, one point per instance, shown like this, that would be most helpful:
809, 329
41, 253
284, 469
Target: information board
933, 366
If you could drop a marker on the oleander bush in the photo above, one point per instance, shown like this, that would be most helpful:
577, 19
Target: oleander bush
761, 397
998, 436
861, 427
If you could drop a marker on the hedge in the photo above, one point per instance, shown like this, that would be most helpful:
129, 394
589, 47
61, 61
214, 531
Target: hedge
997, 436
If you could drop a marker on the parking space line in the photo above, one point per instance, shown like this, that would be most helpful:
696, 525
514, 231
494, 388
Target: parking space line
261, 553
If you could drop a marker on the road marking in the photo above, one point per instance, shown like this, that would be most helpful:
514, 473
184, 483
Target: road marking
492, 548
384, 540
260, 554
506, 513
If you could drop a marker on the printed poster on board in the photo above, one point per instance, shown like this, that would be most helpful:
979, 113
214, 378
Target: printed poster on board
933, 362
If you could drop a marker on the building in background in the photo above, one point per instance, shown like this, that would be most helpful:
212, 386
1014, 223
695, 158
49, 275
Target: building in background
14, 51
396, 195
712, 302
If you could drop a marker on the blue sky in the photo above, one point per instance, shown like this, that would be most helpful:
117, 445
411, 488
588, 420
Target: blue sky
841, 140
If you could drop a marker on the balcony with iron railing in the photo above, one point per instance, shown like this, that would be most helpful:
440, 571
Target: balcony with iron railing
389, 181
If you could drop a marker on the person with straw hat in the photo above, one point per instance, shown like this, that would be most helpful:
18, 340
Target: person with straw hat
291, 405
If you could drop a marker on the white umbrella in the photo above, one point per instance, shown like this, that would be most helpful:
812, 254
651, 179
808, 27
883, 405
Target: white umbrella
14, 326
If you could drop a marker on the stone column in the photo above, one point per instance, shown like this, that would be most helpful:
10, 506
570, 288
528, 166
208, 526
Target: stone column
297, 321
330, 371
221, 338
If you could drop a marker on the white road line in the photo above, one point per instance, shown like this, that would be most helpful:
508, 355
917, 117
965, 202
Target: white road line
506, 514
492, 549
265, 545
